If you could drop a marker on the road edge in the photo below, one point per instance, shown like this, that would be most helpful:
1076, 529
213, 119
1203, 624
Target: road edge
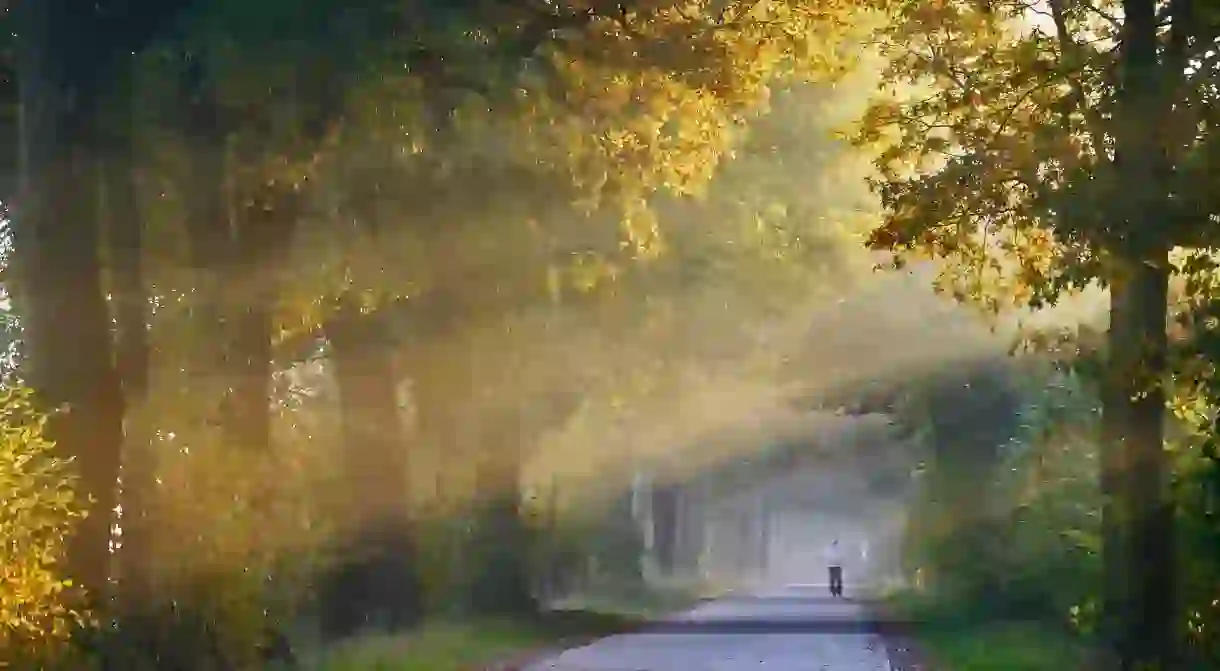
528, 658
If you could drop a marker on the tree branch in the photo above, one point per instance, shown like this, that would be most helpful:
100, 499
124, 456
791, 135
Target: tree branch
1070, 58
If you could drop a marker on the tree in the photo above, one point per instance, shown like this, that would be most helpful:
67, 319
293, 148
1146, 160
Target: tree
1044, 149
66, 53
528, 110
380, 578
39, 611
967, 418
122, 252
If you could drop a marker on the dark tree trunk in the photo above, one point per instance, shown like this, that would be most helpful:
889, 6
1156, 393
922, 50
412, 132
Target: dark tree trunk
237, 255
441, 372
665, 526
692, 523
439, 369
56, 234
507, 548
213, 253
124, 226
1141, 619
1141, 590
377, 579
266, 221
501, 583
246, 408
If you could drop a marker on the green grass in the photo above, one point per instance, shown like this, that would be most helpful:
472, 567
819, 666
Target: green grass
470, 645
465, 645
952, 642
999, 647
630, 600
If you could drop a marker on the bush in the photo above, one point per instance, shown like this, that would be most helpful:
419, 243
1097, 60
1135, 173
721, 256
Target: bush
237, 539
37, 614
1037, 553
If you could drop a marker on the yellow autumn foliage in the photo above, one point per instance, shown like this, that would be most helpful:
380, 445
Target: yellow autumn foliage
40, 509
584, 132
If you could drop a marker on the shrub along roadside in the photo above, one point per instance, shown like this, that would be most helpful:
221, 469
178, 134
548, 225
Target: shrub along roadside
37, 606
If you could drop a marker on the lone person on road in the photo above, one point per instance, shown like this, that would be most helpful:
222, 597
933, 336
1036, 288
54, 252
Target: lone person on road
834, 560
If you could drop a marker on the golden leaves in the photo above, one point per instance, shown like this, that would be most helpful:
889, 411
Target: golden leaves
650, 103
605, 115
981, 158
41, 508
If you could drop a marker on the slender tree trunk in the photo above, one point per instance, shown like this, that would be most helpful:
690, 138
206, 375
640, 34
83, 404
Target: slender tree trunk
502, 578
439, 393
665, 526
237, 255
442, 376
265, 223
211, 234
246, 407
124, 226
378, 578
56, 234
440, 370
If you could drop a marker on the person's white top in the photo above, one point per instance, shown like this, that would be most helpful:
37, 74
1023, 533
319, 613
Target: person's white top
834, 555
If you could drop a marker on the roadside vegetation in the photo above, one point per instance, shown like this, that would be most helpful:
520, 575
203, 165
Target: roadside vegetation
325, 317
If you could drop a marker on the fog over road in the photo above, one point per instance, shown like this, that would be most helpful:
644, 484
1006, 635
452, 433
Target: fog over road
794, 628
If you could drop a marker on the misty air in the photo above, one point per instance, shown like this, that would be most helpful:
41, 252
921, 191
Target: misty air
578, 335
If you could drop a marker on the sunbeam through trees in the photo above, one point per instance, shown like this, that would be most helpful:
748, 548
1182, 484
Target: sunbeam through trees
457, 335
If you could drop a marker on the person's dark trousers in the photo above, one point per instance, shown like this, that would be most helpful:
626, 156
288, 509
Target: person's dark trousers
836, 581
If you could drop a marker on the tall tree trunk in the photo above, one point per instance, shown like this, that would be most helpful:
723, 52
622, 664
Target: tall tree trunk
1141, 591
502, 581
246, 353
504, 577
1140, 530
665, 526
236, 254
440, 372
246, 407
124, 226
56, 233
691, 540
378, 578
210, 229
265, 222
442, 392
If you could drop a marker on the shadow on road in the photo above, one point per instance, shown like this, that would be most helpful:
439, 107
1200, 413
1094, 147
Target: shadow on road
811, 615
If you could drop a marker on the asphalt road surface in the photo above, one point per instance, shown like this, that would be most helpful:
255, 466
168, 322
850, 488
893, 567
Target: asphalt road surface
795, 628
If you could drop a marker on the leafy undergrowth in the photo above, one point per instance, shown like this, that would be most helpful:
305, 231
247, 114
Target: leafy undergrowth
469, 645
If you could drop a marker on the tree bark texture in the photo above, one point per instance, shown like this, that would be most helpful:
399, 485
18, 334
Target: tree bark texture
66, 320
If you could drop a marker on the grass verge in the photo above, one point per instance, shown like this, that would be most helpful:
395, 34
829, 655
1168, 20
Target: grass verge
944, 640
1002, 646
631, 600
468, 645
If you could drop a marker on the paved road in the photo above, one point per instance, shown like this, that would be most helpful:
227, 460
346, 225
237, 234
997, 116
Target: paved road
789, 629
